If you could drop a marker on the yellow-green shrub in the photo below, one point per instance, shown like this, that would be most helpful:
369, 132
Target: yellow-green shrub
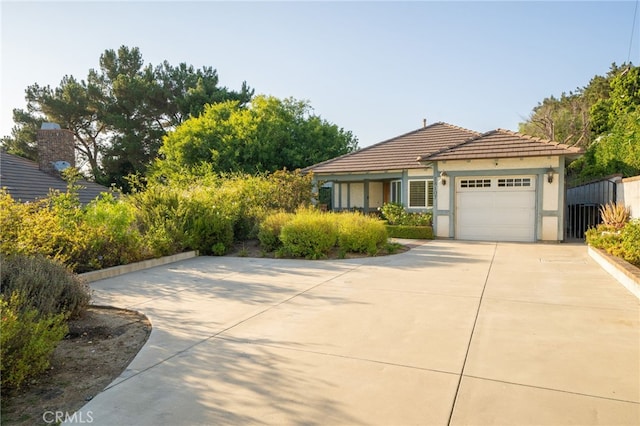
157, 211
631, 242
310, 234
623, 243
360, 234
27, 340
270, 228
207, 226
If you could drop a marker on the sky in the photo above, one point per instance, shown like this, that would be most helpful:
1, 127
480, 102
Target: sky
376, 69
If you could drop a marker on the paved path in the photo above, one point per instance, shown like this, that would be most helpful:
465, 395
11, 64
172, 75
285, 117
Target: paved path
448, 333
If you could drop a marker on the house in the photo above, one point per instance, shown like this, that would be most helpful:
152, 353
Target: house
494, 186
27, 180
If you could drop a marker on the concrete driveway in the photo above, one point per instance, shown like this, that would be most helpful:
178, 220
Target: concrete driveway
448, 333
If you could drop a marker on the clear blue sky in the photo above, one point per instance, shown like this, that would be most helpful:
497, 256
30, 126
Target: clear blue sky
375, 68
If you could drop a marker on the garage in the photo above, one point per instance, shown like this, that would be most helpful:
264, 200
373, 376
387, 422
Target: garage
495, 208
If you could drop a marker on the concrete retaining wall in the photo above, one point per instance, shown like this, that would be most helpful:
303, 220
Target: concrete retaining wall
132, 267
626, 274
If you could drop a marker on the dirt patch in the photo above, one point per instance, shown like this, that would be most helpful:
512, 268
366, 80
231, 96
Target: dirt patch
97, 349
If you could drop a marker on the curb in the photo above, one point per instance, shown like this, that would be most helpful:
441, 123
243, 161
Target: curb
626, 274
132, 267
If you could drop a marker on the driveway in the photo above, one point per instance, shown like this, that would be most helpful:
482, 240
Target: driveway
449, 332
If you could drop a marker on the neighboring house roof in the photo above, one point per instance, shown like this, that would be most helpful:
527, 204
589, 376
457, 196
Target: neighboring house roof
500, 143
24, 181
398, 153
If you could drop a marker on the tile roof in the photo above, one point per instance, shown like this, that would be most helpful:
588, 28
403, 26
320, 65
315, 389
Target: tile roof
500, 143
397, 153
26, 182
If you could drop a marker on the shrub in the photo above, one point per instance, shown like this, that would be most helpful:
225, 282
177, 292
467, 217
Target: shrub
630, 243
418, 219
624, 243
207, 227
270, 228
615, 215
45, 228
111, 235
47, 286
395, 214
27, 339
603, 237
360, 234
157, 218
410, 232
310, 234
11, 216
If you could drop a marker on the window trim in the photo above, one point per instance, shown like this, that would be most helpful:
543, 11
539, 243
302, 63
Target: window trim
397, 192
428, 195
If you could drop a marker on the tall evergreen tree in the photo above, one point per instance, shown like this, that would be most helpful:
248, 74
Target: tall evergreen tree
121, 112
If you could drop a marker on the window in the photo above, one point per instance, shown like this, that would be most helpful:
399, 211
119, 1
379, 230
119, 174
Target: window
421, 193
396, 191
514, 182
475, 183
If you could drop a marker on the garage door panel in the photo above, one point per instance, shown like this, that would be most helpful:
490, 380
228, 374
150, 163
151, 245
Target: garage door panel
514, 201
496, 213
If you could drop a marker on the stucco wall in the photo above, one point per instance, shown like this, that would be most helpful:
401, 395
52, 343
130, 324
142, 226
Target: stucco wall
629, 194
356, 195
376, 195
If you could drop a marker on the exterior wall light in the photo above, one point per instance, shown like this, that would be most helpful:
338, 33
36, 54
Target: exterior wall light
443, 178
550, 174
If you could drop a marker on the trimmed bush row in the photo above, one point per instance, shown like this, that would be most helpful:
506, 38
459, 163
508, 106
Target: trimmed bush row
410, 232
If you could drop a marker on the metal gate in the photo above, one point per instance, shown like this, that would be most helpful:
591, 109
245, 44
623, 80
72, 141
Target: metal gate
583, 206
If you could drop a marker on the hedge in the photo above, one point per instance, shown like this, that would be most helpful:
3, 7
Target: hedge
410, 232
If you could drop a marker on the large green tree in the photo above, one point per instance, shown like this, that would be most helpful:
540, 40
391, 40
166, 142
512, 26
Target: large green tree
267, 135
121, 111
616, 151
579, 117
564, 119
23, 134
601, 117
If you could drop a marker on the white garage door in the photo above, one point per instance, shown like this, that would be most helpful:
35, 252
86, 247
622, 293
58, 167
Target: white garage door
496, 208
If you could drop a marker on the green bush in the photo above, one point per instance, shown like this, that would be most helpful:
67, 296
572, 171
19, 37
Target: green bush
44, 228
631, 242
310, 234
270, 228
48, 286
27, 340
395, 214
360, 234
603, 237
410, 232
111, 235
200, 212
157, 217
624, 243
207, 227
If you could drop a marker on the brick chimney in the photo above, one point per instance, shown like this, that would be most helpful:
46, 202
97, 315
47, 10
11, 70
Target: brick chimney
55, 148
